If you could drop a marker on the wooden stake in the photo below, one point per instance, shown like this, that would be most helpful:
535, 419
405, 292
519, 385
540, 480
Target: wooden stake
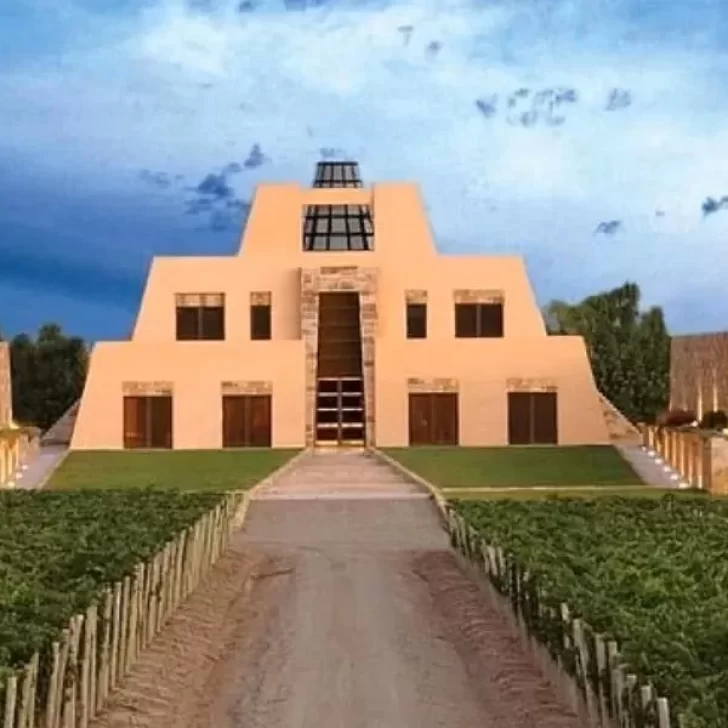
11, 696
104, 671
115, 667
663, 713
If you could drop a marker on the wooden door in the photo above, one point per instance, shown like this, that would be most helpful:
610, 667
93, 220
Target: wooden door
259, 420
545, 418
419, 419
433, 419
233, 421
519, 418
444, 418
148, 422
339, 335
160, 422
135, 420
246, 420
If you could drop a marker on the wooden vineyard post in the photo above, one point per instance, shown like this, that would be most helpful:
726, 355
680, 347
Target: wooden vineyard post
53, 685
600, 652
60, 682
663, 713
11, 695
583, 667
70, 681
134, 614
126, 625
114, 649
26, 719
88, 668
178, 569
104, 674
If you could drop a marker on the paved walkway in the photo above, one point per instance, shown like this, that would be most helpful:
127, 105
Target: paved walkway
40, 468
357, 615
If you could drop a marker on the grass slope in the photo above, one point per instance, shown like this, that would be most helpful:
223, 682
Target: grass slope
473, 467
213, 470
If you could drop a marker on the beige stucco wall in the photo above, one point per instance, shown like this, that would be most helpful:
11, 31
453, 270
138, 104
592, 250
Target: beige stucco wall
482, 368
197, 370
271, 259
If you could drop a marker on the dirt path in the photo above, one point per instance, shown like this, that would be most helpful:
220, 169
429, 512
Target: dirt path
357, 616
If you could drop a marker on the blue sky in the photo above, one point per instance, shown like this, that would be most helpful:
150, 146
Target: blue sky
589, 137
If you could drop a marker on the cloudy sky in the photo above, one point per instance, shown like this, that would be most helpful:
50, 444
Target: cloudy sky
590, 137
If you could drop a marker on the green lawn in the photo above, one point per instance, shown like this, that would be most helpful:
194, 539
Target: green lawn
212, 470
473, 467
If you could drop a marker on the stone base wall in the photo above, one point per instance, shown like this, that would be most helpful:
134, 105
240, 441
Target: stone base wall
699, 372
6, 399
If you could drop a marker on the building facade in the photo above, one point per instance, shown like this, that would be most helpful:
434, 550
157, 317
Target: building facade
699, 372
338, 323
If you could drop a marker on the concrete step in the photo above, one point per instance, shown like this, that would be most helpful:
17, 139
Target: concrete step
340, 474
648, 468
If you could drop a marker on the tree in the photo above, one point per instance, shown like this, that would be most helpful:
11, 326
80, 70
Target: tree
629, 350
48, 375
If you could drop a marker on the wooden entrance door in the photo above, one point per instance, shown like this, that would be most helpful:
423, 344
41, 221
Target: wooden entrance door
246, 420
433, 418
147, 422
532, 418
339, 336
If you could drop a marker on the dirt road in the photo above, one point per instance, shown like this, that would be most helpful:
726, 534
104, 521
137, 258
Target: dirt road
357, 616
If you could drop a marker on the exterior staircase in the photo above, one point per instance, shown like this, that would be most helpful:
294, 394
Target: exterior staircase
62, 432
620, 429
339, 474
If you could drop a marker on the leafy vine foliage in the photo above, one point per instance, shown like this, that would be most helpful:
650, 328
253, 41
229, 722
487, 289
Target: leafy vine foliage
60, 550
649, 573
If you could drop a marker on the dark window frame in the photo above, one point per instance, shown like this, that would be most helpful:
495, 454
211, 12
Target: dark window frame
199, 327
338, 228
483, 324
261, 326
337, 174
416, 320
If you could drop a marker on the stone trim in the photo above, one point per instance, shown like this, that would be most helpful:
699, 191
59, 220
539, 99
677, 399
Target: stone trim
468, 295
196, 300
332, 279
260, 298
433, 386
246, 387
415, 296
534, 384
147, 389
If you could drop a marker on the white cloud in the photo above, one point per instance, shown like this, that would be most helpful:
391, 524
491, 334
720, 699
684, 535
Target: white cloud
344, 71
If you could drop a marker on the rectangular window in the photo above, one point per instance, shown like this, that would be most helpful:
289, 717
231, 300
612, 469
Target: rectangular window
338, 227
416, 320
246, 420
478, 320
200, 321
532, 418
147, 422
260, 327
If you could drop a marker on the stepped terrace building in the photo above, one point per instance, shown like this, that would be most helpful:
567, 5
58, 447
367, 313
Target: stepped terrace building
338, 323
